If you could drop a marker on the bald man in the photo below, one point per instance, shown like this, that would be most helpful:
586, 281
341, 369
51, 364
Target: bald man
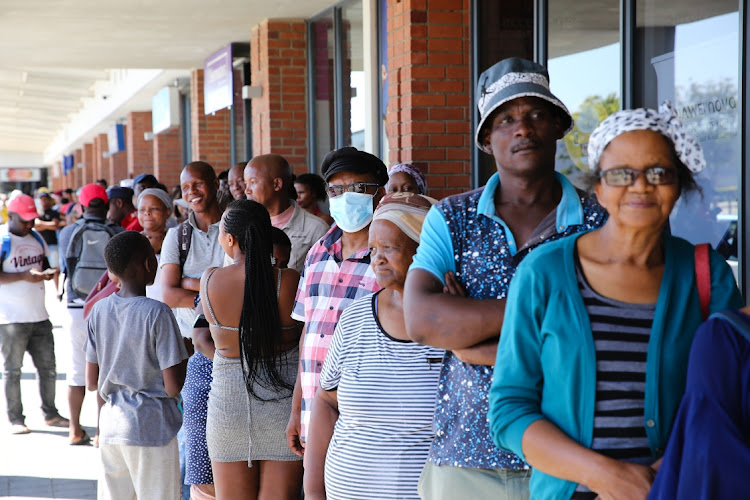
269, 181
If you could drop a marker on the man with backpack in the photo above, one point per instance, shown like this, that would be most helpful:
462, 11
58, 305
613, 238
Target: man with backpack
24, 322
82, 245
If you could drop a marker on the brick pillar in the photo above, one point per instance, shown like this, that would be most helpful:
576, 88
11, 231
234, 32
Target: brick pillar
428, 116
101, 170
78, 167
278, 60
117, 167
63, 178
87, 157
167, 157
140, 151
210, 133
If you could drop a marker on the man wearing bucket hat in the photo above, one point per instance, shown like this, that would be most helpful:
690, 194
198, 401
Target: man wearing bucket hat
24, 322
470, 246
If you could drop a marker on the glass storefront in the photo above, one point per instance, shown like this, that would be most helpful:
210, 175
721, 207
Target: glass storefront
353, 75
322, 87
584, 70
337, 80
506, 29
688, 53
603, 55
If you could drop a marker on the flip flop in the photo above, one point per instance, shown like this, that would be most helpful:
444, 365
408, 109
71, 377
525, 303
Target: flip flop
58, 421
19, 429
83, 440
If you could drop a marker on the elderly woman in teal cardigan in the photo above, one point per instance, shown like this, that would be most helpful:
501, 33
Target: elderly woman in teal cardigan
593, 352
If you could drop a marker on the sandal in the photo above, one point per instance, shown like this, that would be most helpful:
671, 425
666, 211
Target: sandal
58, 421
83, 440
19, 429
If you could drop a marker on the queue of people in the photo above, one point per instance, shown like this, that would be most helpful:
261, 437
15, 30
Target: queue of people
352, 338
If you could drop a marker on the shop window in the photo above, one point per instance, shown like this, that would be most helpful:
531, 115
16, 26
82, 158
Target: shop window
689, 54
337, 80
506, 29
584, 69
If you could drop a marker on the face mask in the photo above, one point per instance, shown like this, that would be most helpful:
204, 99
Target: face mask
351, 211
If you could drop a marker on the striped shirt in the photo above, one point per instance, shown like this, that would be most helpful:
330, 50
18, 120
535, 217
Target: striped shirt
328, 285
621, 332
386, 399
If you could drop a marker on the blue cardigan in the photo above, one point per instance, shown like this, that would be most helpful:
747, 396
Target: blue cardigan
546, 360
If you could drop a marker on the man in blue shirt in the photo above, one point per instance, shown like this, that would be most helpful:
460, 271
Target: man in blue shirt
470, 247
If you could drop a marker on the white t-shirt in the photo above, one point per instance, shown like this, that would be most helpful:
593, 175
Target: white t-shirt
22, 301
156, 291
386, 397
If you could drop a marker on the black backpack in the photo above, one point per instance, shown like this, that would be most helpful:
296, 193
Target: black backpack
84, 258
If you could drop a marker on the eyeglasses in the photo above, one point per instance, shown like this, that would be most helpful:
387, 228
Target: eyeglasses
656, 176
358, 187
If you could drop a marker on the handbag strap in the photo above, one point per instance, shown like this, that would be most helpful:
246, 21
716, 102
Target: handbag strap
703, 278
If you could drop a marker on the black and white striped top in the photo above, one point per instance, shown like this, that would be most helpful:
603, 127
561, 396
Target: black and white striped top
386, 397
621, 332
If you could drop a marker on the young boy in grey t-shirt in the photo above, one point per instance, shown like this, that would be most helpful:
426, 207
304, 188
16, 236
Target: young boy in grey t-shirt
136, 359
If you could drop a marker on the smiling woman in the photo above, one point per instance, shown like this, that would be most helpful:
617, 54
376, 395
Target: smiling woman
585, 394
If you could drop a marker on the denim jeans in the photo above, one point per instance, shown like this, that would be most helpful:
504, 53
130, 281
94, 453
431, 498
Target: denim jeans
37, 339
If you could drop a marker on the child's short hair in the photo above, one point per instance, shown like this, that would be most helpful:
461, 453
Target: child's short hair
123, 249
279, 238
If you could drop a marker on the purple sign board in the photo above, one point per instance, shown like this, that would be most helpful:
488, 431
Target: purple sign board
218, 91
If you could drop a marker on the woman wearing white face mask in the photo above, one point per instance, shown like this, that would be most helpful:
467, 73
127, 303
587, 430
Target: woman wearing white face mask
337, 271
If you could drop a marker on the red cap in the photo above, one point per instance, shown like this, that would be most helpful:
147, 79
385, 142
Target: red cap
24, 206
90, 192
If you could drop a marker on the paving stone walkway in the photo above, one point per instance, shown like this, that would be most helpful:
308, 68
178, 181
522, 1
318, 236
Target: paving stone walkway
42, 464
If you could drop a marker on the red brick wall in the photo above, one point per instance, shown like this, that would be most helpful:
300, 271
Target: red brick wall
117, 167
58, 182
167, 157
140, 152
279, 62
428, 116
210, 133
101, 167
77, 160
87, 157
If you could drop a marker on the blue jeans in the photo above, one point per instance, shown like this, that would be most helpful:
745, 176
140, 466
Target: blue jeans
37, 339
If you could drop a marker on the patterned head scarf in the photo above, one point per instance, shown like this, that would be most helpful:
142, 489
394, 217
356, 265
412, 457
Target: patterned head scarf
406, 210
414, 172
665, 121
162, 195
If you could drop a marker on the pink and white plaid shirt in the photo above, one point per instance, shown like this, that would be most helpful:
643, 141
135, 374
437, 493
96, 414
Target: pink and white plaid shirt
327, 286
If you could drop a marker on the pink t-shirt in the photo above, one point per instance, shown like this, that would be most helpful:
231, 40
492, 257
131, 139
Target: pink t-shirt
280, 221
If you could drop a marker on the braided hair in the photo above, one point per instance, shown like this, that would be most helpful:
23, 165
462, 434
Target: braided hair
260, 326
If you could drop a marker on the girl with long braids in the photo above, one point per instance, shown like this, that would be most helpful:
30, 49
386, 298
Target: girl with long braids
248, 306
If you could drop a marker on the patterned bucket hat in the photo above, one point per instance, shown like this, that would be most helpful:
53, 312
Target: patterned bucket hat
510, 79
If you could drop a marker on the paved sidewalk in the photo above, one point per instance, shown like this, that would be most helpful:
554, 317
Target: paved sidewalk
42, 464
